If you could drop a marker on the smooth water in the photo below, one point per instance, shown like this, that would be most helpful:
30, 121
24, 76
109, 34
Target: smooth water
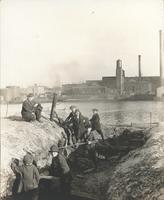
110, 112
123, 112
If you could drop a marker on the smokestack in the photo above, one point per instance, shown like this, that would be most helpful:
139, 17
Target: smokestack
161, 50
139, 66
119, 63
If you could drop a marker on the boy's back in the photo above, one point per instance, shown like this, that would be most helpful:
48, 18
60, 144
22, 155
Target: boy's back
30, 177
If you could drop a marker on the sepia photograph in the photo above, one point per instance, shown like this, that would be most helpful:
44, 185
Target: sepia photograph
82, 99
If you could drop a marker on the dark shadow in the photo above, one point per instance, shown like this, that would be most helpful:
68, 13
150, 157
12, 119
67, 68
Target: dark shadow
15, 118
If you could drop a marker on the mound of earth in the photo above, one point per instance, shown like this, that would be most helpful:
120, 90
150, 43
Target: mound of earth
140, 174
19, 137
94, 184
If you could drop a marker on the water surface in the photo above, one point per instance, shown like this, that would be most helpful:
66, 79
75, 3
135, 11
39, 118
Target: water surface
110, 112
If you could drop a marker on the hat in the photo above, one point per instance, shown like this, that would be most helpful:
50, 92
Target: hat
71, 107
30, 95
95, 109
28, 159
53, 148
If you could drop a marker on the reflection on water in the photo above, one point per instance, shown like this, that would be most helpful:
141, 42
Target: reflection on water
110, 112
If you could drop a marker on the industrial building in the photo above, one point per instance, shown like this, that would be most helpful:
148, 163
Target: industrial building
112, 87
120, 86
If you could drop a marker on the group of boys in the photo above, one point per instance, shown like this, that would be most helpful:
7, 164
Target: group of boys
81, 126
27, 175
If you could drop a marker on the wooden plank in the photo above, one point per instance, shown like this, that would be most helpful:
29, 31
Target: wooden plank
89, 170
50, 178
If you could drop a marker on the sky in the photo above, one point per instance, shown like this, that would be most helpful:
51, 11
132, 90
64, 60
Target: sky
51, 42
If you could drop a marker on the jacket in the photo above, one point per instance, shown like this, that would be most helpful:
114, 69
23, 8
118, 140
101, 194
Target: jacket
81, 125
27, 107
59, 166
29, 177
95, 122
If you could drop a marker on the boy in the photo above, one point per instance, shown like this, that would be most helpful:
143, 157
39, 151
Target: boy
29, 181
60, 168
95, 123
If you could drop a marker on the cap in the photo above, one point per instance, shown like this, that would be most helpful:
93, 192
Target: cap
54, 148
28, 159
30, 95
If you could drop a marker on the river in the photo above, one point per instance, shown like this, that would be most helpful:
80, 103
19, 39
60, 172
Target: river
124, 112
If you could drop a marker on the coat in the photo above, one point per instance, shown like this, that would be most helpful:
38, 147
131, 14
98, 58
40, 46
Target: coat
95, 122
59, 166
27, 107
29, 177
70, 117
70, 121
80, 125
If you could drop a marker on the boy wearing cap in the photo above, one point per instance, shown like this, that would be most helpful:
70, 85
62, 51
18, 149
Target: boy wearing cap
29, 178
60, 168
29, 111
72, 114
95, 123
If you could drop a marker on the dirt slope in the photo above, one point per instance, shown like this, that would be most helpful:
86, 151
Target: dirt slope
18, 136
140, 175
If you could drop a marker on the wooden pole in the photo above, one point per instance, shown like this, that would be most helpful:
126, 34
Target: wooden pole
7, 109
150, 119
53, 106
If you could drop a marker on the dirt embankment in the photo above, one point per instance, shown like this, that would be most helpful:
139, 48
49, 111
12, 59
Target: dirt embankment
137, 175
17, 137
140, 174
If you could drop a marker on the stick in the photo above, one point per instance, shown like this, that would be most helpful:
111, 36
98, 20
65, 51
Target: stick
79, 144
7, 109
53, 106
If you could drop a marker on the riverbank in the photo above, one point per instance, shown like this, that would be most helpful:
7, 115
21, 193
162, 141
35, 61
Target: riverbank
138, 175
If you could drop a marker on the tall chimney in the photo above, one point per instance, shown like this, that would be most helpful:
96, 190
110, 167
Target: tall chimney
139, 66
161, 55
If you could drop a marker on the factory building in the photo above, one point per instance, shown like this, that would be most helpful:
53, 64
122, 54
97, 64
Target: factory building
115, 86
120, 86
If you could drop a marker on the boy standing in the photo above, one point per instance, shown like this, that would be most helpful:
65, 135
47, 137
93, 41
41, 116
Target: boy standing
95, 123
60, 168
29, 181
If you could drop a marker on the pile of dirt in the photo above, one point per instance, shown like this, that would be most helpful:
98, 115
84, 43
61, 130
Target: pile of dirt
116, 145
140, 174
19, 137
112, 150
